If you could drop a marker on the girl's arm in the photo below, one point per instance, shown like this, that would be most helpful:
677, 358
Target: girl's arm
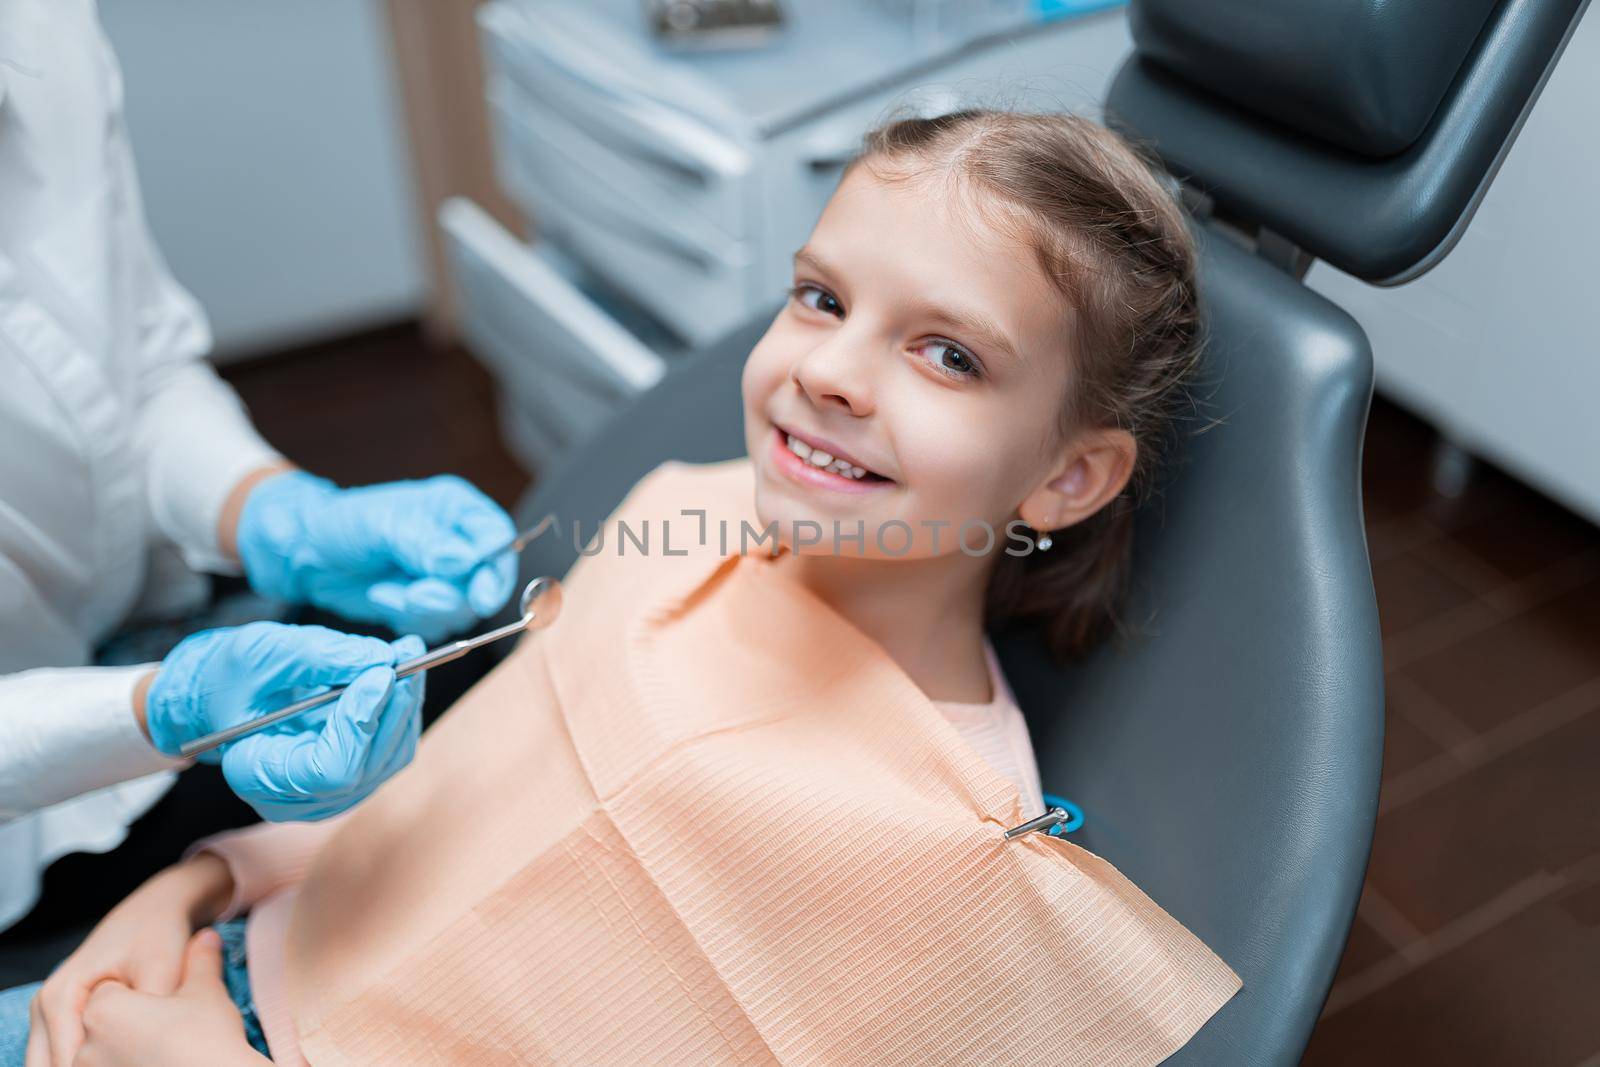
265, 858
140, 944
198, 1025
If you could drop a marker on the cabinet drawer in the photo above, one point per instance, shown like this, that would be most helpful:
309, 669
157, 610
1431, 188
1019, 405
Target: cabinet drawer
560, 358
667, 160
694, 280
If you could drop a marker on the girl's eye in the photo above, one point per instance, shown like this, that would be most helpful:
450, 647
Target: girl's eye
950, 359
818, 300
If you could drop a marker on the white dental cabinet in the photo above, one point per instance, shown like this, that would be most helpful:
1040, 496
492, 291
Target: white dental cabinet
669, 189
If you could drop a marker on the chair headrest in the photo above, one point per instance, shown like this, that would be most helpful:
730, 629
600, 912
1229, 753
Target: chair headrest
1363, 131
1365, 75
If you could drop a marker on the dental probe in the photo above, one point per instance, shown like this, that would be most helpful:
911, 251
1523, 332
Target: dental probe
540, 604
519, 542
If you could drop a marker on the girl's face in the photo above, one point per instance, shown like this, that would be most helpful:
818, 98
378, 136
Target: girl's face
926, 346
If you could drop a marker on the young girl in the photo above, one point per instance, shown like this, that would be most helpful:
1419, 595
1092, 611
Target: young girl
743, 805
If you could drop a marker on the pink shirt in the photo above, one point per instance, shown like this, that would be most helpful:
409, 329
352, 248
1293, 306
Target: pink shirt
999, 734
267, 869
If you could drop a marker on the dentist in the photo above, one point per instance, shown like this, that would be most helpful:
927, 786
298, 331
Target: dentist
126, 464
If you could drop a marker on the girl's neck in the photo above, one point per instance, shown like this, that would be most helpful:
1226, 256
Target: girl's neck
927, 614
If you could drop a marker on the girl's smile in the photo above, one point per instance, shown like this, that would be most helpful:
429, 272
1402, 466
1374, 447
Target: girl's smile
812, 461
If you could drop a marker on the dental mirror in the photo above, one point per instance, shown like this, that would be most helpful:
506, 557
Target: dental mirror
540, 605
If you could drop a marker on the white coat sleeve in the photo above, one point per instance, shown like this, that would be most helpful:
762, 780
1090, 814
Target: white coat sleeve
192, 430
66, 731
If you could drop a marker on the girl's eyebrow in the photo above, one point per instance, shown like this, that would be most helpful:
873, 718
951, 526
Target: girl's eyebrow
812, 260
984, 331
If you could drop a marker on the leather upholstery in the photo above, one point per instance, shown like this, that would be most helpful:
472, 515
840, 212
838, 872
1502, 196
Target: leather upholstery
1385, 220
1365, 75
1228, 759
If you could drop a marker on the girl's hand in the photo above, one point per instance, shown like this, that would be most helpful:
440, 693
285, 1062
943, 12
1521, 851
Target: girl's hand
140, 945
196, 1026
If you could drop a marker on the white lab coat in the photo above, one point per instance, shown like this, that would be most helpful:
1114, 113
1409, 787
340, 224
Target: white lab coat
118, 444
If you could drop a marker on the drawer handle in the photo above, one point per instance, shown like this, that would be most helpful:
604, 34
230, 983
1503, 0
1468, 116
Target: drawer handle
577, 199
673, 165
512, 266
685, 148
639, 233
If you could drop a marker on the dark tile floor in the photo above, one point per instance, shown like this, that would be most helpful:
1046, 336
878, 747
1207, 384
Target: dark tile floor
1478, 937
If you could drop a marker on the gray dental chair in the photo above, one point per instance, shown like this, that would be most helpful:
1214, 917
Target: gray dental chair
1227, 756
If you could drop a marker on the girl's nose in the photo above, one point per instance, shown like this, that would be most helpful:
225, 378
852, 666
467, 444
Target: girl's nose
837, 373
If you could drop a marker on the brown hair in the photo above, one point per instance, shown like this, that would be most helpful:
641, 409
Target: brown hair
1114, 241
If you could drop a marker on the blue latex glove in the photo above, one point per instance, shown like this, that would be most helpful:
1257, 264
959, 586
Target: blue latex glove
301, 775
403, 553
313, 765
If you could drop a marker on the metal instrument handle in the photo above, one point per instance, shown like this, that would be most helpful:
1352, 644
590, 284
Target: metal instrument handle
432, 658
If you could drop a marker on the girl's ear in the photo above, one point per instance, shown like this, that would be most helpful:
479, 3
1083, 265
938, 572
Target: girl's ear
1094, 469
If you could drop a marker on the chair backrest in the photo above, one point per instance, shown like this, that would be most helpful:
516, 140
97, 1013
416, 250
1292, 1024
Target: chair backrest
1227, 756
1362, 132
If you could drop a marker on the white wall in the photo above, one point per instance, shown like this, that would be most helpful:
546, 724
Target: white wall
271, 148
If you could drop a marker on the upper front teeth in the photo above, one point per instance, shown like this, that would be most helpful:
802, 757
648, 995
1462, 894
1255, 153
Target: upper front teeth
818, 458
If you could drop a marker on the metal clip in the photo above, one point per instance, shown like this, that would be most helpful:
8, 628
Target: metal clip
1052, 817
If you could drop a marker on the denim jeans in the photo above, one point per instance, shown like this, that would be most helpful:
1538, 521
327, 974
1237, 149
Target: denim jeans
14, 1003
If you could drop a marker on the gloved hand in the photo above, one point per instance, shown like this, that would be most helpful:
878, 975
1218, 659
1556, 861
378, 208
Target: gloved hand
298, 775
312, 765
404, 553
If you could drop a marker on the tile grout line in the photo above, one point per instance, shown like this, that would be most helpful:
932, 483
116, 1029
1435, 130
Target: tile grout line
1411, 532
1533, 724
1387, 921
1485, 610
1440, 632
1507, 905
1466, 751
1547, 584
1422, 710
1460, 565
1480, 920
